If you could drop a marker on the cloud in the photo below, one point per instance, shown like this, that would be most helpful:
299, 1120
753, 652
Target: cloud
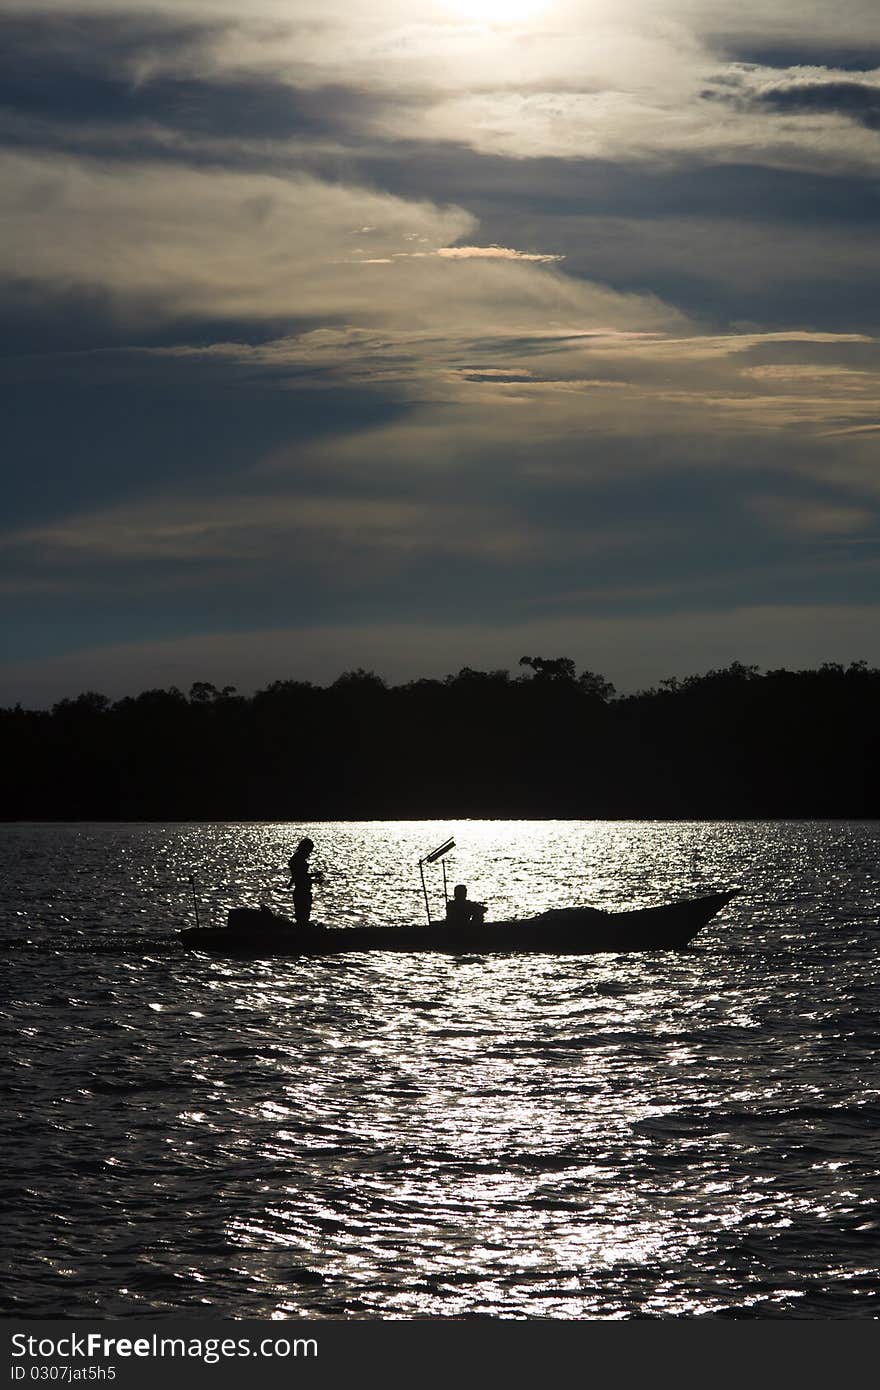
817, 518
598, 382
860, 101
493, 253
376, 314
802, 90
355, 105
595, 455
174, 242
250, 527
170, 244
625, 87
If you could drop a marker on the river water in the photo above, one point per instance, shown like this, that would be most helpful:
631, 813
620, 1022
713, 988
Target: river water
386, 1136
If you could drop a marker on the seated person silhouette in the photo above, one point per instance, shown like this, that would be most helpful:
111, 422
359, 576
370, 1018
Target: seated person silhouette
460, 910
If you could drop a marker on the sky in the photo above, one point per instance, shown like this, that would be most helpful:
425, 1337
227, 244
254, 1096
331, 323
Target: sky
417, 334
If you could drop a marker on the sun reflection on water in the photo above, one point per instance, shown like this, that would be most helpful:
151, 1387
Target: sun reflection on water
670, 1134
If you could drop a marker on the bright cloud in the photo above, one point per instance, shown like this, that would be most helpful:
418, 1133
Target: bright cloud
168, 243
493, 253
564, 79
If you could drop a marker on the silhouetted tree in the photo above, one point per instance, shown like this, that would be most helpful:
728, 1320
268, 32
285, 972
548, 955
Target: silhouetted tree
598, 686
559, 668
731, 742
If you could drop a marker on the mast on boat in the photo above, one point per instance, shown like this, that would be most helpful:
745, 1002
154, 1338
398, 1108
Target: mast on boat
432, 858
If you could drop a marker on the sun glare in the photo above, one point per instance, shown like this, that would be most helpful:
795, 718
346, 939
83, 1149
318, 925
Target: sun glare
497, 11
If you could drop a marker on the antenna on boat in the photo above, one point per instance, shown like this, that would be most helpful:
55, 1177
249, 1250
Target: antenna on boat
432, 858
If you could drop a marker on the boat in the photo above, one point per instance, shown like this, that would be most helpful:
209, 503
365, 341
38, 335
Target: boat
259, 932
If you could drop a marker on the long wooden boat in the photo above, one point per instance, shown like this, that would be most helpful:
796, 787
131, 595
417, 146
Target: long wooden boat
563, 931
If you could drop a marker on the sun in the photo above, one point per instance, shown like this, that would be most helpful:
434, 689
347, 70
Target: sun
497, 11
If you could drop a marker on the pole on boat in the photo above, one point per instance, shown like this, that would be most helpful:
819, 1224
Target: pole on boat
431, 858
425, 890
192, 884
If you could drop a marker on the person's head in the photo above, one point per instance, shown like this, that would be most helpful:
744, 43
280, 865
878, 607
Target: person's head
459, 892
304, 848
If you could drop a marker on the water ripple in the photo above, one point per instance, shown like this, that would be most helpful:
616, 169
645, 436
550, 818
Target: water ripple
674, 1134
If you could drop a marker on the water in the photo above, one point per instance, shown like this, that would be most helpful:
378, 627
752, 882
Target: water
371, 1135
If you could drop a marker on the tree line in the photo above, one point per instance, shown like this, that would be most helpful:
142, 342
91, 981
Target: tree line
546, 741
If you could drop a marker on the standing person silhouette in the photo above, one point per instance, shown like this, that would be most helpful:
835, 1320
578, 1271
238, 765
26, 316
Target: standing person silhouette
301, 881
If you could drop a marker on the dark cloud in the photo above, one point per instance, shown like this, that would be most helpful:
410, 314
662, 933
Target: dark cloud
127, 437
57, 72
578, 187
844, 57
855, 100
80, 42
224, 110
556, 203
680, 539
44, 319
786, 91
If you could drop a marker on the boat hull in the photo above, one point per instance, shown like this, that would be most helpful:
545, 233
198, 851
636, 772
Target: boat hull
567, 931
